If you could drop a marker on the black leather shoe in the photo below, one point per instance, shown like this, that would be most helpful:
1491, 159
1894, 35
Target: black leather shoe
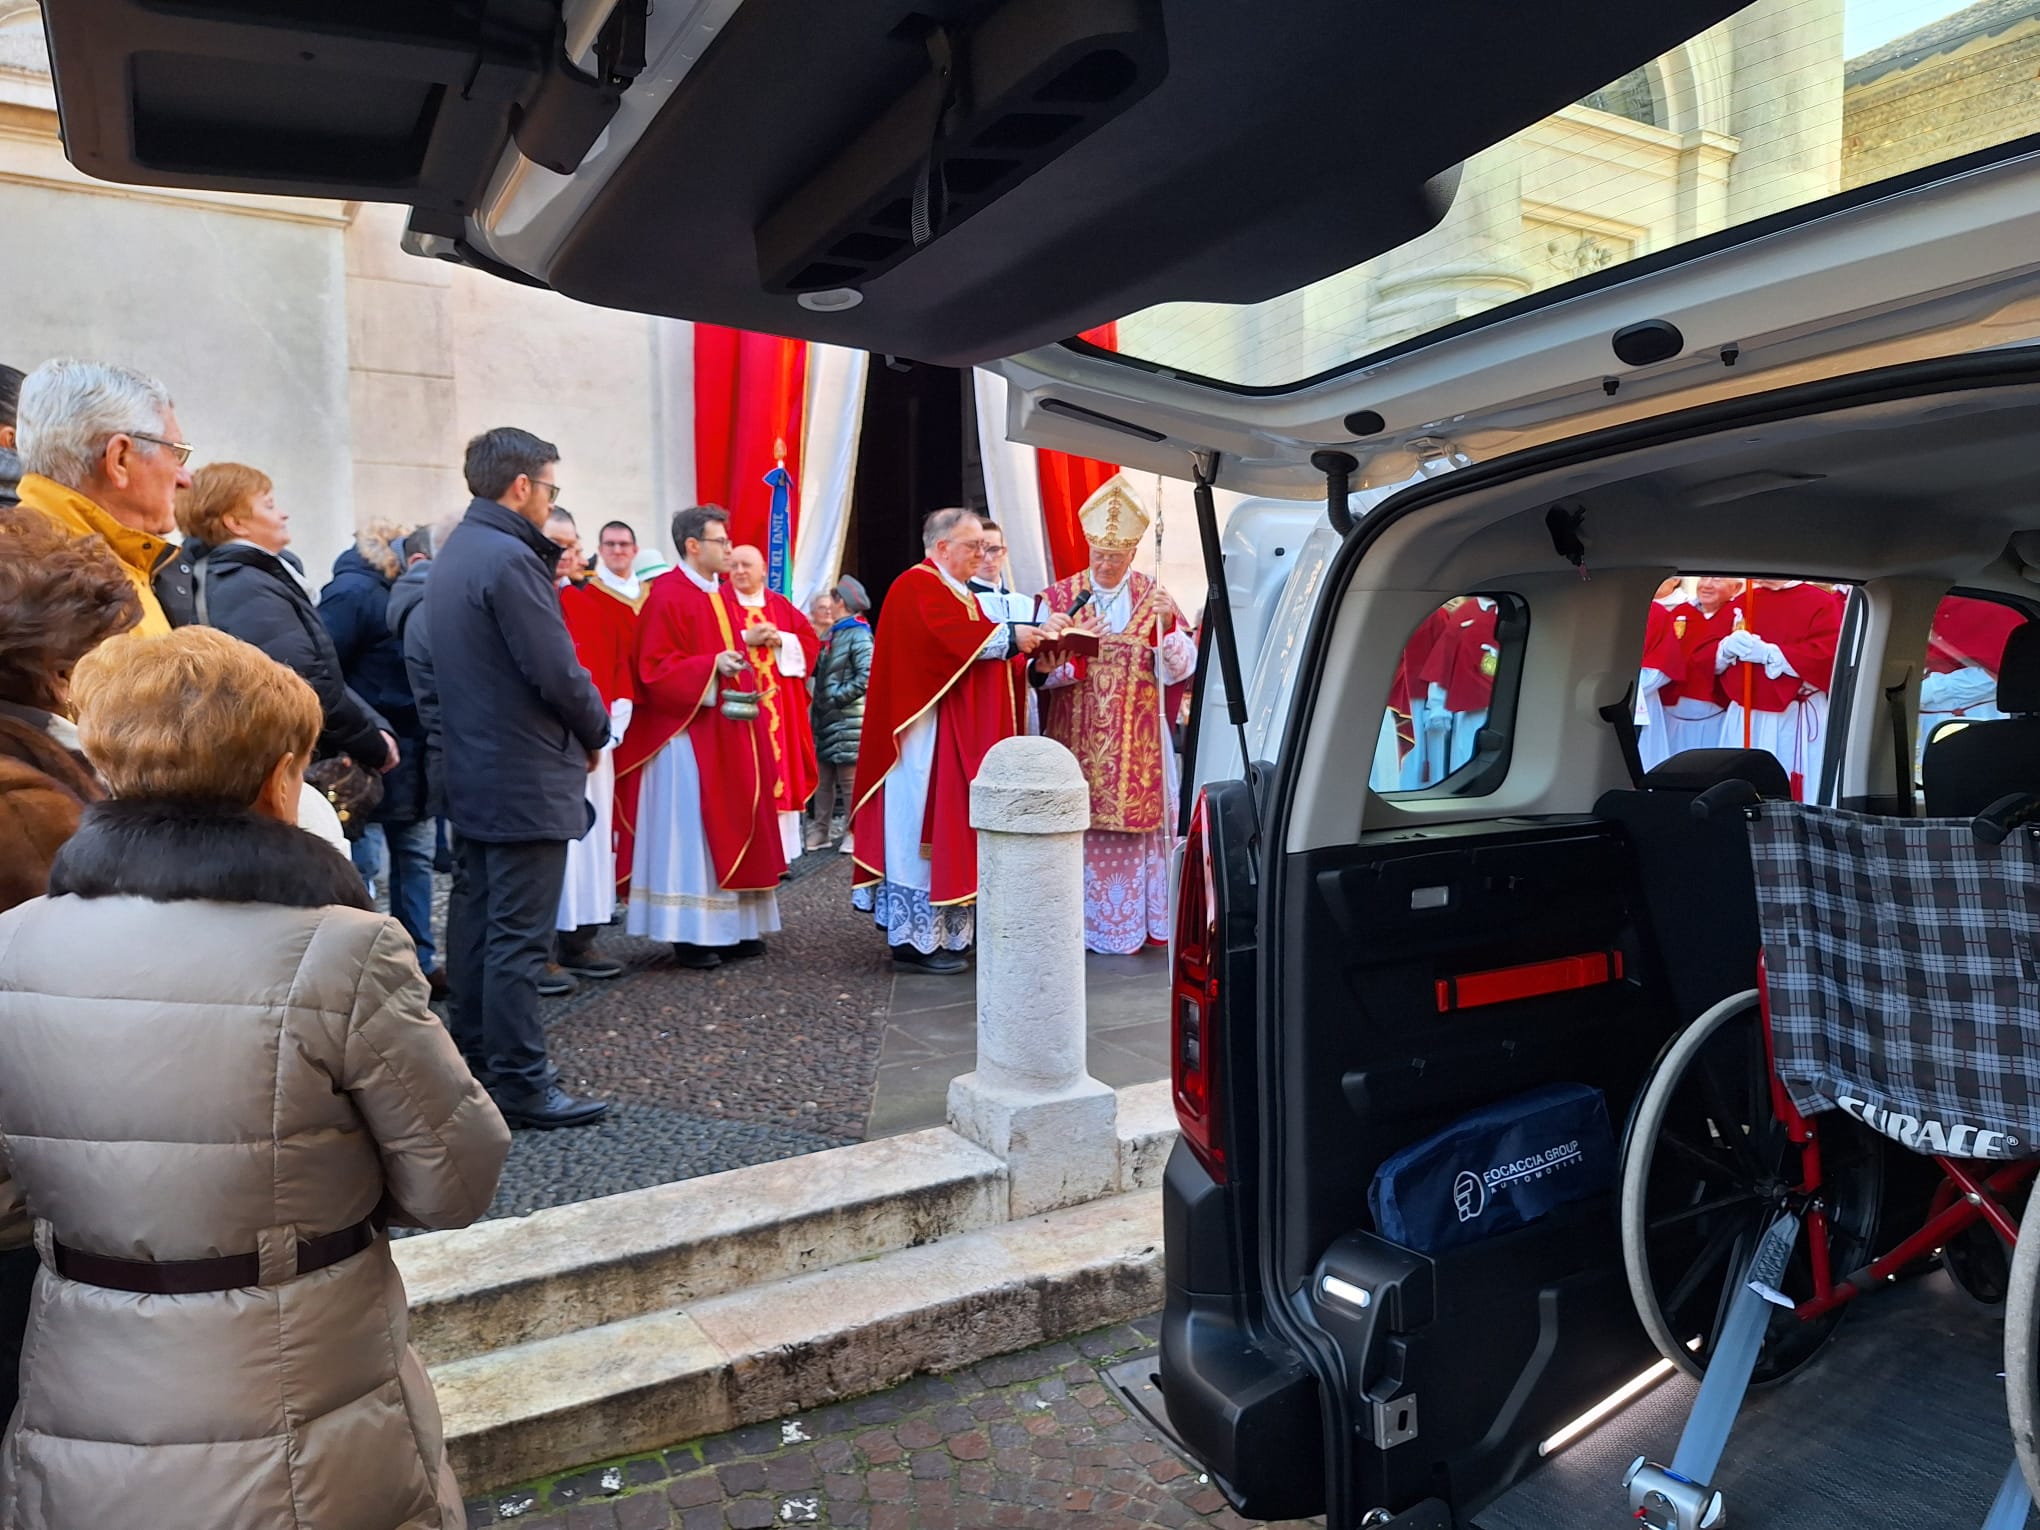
552, 1108
743, 950
553, 983
700, 958
940, 963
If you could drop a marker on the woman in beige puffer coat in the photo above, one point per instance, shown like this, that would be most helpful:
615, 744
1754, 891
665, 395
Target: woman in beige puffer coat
218, 1081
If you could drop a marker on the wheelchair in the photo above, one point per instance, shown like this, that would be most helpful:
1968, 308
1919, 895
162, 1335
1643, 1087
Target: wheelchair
1897, 997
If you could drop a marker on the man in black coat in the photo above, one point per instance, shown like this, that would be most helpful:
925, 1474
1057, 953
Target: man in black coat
521, 726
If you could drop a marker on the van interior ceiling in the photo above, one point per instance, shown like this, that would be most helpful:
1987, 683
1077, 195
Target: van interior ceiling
1389, 894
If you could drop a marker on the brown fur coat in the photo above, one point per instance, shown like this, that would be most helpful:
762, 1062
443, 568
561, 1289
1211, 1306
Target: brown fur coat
43, 789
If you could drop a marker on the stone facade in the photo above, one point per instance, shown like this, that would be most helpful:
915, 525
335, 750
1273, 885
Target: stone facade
1968, 85
298, 337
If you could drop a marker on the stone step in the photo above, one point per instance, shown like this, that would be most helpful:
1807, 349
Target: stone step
771, 1349
652, 1251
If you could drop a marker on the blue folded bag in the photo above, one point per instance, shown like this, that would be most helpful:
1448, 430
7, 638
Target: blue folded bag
1496, 1169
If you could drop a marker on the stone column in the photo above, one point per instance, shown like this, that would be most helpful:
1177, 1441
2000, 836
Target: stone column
1031, 1099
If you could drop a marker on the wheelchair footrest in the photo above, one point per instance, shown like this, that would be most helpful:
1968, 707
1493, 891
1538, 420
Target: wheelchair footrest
1660, 1499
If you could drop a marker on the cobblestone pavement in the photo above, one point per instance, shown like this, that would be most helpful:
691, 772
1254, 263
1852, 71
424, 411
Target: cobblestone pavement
1030, 1440
818, 1045
747, 1063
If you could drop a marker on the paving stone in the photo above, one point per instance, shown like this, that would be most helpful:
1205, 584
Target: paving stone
643, 1511
920, 1459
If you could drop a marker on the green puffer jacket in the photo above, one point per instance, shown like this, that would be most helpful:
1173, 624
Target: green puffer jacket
841, 675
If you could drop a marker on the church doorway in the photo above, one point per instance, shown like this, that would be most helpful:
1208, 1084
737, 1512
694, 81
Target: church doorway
916, 453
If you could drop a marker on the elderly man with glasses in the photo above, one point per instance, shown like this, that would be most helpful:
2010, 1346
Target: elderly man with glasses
101, 457
941, 694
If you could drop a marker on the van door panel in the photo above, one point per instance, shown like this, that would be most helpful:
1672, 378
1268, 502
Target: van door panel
1520, 1333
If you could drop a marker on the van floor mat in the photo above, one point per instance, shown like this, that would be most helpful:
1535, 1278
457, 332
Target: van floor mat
1900, 1420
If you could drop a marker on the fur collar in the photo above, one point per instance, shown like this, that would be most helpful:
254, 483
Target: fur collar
175, 852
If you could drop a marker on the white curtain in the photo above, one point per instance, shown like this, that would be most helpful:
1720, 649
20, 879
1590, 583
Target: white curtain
834, 409
1012, 488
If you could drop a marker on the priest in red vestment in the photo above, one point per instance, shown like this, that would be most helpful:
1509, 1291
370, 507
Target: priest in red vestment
1459, 679
1695, 707
783, 648
1106, 709
1424, 764
603, 628
705, 858
1662, 671
1964, 649
1781, 655
940, 696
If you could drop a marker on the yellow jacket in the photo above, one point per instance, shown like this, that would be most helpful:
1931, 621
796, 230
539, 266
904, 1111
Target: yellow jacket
139, 553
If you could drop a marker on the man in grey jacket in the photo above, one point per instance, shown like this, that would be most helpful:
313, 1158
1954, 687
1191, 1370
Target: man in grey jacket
521, 725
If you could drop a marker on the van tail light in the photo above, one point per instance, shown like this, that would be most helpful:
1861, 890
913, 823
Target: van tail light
1195, 1043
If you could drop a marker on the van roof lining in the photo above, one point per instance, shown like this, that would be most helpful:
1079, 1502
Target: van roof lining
1890, 490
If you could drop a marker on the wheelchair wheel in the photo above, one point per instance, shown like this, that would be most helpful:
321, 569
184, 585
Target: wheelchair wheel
2022, 1343
1706, 1166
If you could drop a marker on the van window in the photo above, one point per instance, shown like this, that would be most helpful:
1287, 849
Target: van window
1445, 728
1784, 111
1733, 663
1965, 649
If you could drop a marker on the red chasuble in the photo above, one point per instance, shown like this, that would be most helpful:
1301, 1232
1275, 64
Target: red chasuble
1702, 634
924, 654
603, 626
1110, 716
785, 704
1662, 649
1970, 633
680, 631
1806, 622
1465, 659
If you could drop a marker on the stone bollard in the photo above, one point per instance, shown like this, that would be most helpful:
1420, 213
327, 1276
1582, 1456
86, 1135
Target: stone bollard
1032, 1100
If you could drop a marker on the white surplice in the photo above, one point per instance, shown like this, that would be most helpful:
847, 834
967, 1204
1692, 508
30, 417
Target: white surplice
588, 895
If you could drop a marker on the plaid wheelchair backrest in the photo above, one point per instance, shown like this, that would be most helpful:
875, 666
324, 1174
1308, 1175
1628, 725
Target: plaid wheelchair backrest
1903, 965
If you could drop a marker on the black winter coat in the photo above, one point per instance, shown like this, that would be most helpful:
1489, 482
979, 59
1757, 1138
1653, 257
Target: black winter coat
249, 593
519, 715
355, 607
407, 626
842, 675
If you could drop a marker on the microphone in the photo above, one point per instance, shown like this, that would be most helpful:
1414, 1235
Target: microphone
1083, 599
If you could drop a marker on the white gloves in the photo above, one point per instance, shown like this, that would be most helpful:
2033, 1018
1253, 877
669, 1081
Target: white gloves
619, 719
1748, 648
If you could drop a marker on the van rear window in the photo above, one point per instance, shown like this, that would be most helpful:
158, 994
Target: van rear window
1778, 112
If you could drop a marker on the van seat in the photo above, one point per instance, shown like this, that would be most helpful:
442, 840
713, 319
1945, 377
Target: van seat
1695, 873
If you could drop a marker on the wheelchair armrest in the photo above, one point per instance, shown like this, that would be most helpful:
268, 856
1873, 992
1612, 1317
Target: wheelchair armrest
1996, 822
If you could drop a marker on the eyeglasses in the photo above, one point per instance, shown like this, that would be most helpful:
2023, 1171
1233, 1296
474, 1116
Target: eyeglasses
182, 450
714, 541
995, 552
552, 490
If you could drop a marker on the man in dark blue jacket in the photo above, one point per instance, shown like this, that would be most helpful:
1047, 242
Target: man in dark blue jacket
521, 726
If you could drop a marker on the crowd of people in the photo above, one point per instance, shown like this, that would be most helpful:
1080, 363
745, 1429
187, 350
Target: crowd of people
208, 765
